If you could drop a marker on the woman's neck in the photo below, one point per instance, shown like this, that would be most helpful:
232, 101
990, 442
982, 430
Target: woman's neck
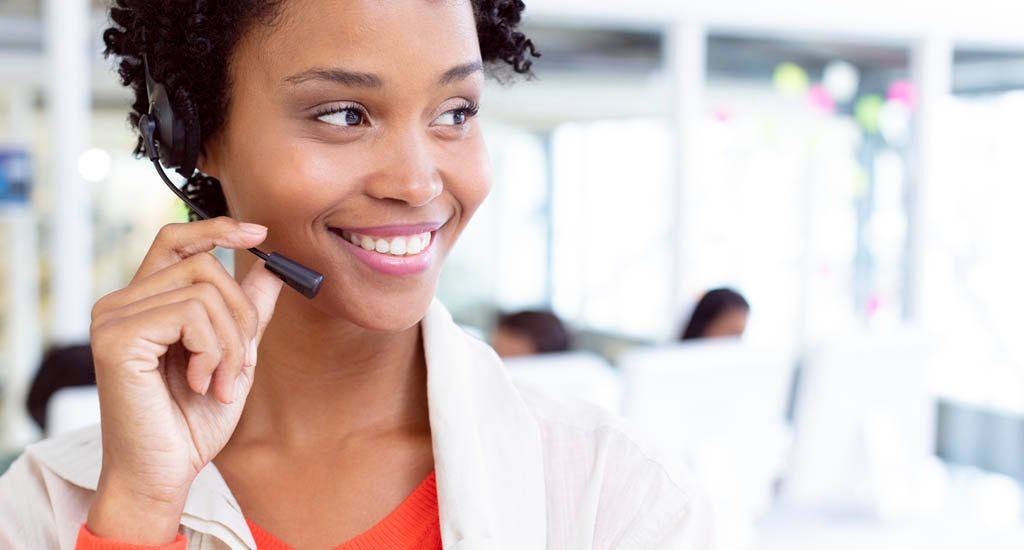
320, 382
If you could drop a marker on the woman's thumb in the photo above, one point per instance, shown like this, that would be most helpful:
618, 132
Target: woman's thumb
263, 288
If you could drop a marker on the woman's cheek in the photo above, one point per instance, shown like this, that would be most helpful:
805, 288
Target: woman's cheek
310, 180
470, 177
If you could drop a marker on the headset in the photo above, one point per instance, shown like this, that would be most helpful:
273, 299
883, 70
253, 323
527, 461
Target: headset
174, 141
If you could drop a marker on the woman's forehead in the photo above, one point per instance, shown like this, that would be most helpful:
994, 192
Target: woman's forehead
386, 38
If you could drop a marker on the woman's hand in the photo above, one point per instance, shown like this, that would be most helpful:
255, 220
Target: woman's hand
174, 353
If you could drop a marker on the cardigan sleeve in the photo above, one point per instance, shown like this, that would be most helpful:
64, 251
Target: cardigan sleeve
646, 505
27, 518
89, 541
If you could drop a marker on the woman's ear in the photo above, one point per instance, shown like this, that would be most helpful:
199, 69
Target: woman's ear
203, 163
206, 162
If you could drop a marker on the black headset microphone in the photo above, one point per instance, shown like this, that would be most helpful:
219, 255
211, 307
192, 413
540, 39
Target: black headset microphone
174, 141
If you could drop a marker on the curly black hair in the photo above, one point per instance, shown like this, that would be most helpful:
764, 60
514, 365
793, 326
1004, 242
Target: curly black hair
189, 45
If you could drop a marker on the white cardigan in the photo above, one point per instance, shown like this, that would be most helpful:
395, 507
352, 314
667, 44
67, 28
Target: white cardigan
515, 471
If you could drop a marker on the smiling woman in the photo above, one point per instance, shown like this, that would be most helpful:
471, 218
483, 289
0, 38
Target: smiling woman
344, 133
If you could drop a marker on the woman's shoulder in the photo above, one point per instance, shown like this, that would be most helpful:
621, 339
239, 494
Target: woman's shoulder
599, 468
593, 433
74, 457
44, 495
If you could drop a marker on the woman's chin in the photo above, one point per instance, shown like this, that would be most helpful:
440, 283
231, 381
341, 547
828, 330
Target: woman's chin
384, 311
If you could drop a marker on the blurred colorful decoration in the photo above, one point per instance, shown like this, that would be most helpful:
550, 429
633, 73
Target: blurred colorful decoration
791, 79
722, 114
894, 122
874, 303
902, 91
821, 100
860, 183
841, 79
868, 111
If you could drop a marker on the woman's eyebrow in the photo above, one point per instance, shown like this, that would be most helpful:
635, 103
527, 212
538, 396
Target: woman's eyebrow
338, 75
459, 72
369, 80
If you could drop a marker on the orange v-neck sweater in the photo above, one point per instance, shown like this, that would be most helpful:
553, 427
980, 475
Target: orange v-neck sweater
413, 525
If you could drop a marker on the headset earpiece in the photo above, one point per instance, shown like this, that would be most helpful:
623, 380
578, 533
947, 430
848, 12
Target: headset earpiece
188, 165
177, 135
173, 140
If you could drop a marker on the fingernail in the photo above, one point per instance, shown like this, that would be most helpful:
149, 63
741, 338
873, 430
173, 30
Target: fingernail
250, 354
252, 228
206, 385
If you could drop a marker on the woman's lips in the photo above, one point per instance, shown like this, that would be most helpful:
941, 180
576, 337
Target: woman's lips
392, 230
391, 250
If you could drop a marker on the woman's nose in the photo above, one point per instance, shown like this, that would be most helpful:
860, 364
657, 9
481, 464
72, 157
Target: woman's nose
407, 172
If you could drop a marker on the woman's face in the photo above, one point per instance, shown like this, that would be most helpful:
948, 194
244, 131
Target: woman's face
511, 343
731, 323
353, 122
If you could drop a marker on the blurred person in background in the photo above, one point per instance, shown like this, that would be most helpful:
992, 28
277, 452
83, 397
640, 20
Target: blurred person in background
528, 333
235, 415
720, 313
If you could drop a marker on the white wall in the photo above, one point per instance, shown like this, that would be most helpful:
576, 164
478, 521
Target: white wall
982, 22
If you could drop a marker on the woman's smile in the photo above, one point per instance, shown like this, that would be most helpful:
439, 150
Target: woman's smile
394, 250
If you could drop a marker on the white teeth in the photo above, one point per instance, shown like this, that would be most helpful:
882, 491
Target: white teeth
396, 246
415, 244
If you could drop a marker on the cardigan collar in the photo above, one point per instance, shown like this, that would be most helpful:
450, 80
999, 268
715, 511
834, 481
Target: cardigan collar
487, 454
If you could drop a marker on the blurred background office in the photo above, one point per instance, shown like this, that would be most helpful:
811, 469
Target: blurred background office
853, 168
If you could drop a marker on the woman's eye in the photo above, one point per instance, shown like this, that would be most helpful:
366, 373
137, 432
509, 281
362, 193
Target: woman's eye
456, 117
344, 117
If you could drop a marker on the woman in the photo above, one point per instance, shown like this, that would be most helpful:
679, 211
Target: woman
529, 332
235, 414
720, 313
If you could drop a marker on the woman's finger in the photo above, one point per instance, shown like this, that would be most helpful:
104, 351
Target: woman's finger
262, 288
200, 268
178, 241
232, 340
152, 332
